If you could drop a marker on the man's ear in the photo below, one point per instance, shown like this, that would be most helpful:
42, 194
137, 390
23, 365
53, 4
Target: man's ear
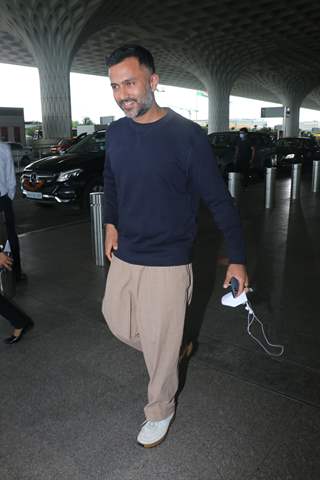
154, 81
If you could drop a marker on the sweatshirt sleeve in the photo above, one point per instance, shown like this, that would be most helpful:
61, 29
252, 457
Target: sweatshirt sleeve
110, 211
209, 184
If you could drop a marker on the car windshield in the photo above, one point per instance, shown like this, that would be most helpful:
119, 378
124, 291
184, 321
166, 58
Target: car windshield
90, 144
64, 141
290, 142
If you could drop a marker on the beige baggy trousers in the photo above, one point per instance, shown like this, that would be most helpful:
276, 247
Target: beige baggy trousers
145, 308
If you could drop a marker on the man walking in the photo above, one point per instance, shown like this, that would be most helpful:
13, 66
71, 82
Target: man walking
244, 154
158, 166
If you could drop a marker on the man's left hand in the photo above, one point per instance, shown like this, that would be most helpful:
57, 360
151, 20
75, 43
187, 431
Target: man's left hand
239, 272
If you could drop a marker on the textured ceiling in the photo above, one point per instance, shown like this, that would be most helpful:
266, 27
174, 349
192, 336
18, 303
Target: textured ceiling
268, 48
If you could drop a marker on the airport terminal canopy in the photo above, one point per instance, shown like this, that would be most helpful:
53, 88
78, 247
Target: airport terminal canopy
267, 50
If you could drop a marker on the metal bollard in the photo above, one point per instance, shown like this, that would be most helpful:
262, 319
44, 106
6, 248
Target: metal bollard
97, 234
270, 186
234, 184
295, 180
316, 176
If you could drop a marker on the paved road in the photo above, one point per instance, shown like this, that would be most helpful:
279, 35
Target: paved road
31, 217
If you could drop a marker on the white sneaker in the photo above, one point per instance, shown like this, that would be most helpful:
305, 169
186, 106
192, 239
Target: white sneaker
154, 432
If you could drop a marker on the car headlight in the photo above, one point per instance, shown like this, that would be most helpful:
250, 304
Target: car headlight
290, 155
64, 176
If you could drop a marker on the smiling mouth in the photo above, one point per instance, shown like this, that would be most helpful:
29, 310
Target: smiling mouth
127, 104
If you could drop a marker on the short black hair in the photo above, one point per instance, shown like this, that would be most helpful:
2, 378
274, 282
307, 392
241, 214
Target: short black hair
244, 129
126, 51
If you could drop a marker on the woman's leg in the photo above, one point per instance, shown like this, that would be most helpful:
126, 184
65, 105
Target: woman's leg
6, 206
13, 314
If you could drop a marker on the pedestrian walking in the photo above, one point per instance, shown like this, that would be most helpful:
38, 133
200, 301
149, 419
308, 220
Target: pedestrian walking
7, 194
244, 154
158, 166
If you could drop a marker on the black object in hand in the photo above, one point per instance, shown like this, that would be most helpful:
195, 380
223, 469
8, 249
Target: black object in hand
234, 286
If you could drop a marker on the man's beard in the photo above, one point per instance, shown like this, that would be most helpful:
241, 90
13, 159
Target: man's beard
144, 104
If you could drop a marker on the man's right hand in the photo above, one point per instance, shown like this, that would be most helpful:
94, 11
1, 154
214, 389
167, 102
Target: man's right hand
5, 261
111, 242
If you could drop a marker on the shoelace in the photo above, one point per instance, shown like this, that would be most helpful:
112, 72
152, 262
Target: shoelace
150, 423
251, 318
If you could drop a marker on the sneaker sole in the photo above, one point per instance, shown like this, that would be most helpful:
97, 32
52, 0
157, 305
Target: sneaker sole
155, 444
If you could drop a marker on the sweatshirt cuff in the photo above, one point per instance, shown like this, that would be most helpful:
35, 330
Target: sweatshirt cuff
112, 220
239, 260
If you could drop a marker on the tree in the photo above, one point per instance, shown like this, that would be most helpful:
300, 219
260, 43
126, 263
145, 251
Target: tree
87, 121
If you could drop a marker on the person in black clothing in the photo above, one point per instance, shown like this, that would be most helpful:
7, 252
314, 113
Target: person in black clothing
244, 154
18, 319
7, 193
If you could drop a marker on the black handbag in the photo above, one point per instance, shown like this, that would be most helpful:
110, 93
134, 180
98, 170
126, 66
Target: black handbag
7, 277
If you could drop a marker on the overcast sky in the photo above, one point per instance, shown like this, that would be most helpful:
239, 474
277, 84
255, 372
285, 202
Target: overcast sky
91, 96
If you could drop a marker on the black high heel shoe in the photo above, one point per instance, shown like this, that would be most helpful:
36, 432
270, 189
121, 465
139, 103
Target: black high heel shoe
15, 339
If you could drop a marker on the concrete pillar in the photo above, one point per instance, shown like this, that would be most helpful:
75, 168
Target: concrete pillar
314, 98
291, 88
217, 73
55, 97
218, 115
52, 32
291, 122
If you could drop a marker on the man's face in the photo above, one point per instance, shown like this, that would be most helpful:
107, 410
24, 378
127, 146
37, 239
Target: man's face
133, 87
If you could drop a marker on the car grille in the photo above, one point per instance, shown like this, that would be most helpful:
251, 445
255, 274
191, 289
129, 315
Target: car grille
33, 181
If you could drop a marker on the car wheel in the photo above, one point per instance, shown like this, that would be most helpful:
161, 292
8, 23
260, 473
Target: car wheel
95, 185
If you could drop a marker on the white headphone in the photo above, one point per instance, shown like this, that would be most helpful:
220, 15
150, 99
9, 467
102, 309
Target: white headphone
230, 301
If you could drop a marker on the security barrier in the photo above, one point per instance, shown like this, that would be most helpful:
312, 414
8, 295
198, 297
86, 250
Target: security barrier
97, 233
316, 176
270, 187
295, 180
234, 184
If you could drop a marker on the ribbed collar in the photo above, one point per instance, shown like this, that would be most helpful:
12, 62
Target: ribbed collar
147, 126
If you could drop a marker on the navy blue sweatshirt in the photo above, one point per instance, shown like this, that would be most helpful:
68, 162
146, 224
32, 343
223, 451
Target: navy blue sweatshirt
154, 176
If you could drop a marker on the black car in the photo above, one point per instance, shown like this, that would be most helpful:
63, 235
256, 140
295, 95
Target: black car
297, 150
68, 178
224, 144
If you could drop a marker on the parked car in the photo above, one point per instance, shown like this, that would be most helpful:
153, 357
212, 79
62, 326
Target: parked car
297, 150
224, 144
64, 144
21, 154
68, 178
